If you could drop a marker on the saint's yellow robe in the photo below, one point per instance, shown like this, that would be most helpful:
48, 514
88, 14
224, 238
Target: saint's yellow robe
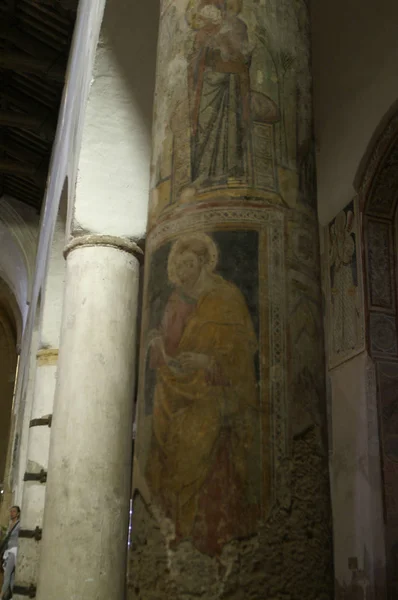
191, 411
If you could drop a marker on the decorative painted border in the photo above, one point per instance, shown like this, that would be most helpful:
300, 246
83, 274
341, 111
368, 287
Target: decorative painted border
207, 218
372, 410
378, 154
372, 237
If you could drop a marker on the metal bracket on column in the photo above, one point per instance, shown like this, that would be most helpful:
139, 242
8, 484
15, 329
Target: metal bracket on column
42, 422
42, 476
23, 590
34, 534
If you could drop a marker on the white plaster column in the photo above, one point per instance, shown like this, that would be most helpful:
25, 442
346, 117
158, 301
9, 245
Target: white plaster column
83, 552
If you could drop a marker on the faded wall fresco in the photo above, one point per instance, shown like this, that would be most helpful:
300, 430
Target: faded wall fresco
203, 384
205, 387
231, 453
237, 110
345, 303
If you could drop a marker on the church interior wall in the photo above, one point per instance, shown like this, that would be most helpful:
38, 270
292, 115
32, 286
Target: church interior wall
102, 150
358, 257
354, 457
354, 56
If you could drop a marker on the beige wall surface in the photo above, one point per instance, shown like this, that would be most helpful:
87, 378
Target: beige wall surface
355, 56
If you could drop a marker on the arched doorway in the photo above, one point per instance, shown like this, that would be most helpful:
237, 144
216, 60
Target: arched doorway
379, 194
9, 333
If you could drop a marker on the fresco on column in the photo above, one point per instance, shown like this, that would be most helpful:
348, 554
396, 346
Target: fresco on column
203, 376
204, 379
237, 113
231, 376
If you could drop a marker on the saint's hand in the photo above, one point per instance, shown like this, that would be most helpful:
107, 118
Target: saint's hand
191, 361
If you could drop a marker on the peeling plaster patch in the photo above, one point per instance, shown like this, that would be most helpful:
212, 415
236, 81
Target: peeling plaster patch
288, 548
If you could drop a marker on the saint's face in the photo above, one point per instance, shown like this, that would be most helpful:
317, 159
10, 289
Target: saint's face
188, 268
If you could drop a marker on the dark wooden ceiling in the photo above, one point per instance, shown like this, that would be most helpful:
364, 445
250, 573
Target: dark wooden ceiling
35, 39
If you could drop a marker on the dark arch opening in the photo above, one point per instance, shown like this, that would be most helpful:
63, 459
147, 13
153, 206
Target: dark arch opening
379, 198
9, 332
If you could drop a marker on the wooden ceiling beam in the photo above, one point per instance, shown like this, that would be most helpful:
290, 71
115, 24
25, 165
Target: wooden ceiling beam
23, 172
22, 194
27, 105
14, 119
27, 43
14, 167
65, 4
14, 61
14, 151
23, 184
8, 19
35, 123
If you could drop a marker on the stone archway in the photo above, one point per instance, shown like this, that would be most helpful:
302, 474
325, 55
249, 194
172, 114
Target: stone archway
379, 199
9, 329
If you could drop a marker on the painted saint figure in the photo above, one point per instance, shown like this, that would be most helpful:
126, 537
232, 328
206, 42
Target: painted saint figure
344, 289
205, 402
219, 85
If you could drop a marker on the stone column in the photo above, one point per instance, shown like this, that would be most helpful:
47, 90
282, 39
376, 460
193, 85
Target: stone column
88, 488
231, 479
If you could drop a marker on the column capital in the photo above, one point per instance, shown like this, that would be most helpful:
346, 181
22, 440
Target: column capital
119, 243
